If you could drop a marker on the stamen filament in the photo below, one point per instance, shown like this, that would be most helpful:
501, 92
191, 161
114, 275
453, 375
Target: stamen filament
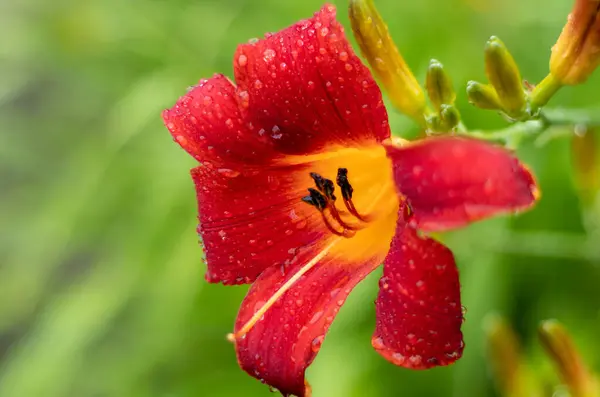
250, 323
232, 337
336, 215
352, 209
348, 233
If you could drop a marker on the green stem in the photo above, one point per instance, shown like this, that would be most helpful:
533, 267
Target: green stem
561, 117
511, 136
542, 93
548, 118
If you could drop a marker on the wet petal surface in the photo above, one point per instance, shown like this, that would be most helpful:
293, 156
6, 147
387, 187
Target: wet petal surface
284, 340
450, 182
419, 314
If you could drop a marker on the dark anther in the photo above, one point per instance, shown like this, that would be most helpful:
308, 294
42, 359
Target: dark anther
315, 199
342, 181
324, 185
319, 181
328, 189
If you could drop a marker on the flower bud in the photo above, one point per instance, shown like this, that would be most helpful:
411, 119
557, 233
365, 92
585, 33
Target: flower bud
577, 51
483, 96
585, 149
387, 64
439, 85
450, 117
504, 75
510, 373
571, 367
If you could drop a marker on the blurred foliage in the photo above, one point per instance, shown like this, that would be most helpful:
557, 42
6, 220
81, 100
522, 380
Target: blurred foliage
101, 278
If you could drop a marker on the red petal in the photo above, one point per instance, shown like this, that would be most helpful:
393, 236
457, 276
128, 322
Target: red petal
308, 89
285, 340
419, 314
208, 124
250, 221
450, 182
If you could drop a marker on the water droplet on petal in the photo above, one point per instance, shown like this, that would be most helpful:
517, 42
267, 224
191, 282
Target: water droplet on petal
228, 172
276, 132
242, 60
269, 55
301, 224
316, 317
244, 98
377, 343
316, 343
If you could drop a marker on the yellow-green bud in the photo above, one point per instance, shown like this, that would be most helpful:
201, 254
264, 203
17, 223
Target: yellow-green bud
387, 64
504, 75
439, 85
571, 368
483, 96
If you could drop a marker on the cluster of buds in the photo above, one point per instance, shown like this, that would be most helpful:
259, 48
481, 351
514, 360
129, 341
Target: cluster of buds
505, 91
514, 377
405, 92
574, 57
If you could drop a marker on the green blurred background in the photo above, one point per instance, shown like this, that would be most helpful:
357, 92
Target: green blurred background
101, 278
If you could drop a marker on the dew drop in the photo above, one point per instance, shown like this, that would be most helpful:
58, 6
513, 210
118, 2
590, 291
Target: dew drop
229, 173
276, 132
258, 305
315, 317
269, 55
301, 224
348, 67
398, 358
377, 343
229, 123
324, 32
258, 84
343, 56
242, 60
316, 343
244, 98
207, 100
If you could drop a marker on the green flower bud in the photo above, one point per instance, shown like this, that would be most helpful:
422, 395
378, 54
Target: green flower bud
439, 85
504, 75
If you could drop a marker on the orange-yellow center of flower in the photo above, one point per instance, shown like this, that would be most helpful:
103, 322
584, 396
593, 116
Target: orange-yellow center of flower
358, 230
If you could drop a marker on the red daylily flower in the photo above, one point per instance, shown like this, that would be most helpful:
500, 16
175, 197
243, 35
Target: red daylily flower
306, 113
